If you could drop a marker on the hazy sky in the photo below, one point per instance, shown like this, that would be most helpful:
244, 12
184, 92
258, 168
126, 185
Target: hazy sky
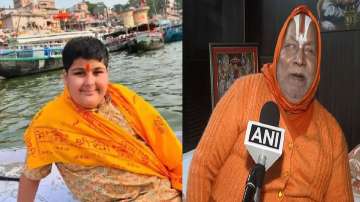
66, 3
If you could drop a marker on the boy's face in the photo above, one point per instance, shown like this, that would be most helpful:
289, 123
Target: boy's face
87, 81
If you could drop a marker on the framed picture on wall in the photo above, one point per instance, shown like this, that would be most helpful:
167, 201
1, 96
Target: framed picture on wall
227, 63
338, 15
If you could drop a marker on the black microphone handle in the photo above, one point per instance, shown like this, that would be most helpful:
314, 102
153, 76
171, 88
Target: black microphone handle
250, 187
259, 174
249, 193
254, 182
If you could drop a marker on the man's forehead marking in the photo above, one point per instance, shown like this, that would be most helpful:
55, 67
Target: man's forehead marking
302, 23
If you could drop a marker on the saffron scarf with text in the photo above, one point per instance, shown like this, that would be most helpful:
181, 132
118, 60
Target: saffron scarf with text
64, 132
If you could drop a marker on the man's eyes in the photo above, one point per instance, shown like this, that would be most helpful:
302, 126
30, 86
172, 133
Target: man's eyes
290, 45
309, 49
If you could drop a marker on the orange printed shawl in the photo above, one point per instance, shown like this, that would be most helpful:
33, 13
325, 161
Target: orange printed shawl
64, 132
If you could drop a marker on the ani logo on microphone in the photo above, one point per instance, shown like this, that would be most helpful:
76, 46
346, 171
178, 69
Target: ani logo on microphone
263, 139
266, 135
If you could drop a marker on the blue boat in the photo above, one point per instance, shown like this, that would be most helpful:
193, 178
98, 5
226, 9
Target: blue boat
173, 33
20, 62
31, 54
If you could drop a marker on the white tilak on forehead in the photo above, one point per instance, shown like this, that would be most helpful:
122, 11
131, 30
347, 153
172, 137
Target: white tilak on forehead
302, 28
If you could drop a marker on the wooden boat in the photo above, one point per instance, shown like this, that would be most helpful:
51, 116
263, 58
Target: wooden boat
149, 40
145, 41
117, 41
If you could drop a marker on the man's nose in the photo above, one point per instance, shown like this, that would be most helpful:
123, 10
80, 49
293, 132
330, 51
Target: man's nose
300, 57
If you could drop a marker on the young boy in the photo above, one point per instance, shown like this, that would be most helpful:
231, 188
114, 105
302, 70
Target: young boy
107, 142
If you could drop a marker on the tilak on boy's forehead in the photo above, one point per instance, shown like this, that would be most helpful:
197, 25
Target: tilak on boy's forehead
302, 23
87, 67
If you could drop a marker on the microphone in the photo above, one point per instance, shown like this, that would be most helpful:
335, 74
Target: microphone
264, 141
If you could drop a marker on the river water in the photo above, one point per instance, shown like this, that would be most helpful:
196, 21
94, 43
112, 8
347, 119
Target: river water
155, 75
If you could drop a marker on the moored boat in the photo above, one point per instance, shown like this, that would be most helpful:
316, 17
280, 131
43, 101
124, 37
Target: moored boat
29, 61
173, 33
145, 41
117, 41
33, 54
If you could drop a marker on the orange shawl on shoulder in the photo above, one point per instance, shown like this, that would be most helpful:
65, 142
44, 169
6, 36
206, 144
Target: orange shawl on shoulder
63, 132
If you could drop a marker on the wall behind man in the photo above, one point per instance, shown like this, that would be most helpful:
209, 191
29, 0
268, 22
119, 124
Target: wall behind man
208, 21
205, 21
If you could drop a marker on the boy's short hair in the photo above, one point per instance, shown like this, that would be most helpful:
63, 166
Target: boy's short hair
86, 48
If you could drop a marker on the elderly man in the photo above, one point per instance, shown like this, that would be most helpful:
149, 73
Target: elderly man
314, 164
